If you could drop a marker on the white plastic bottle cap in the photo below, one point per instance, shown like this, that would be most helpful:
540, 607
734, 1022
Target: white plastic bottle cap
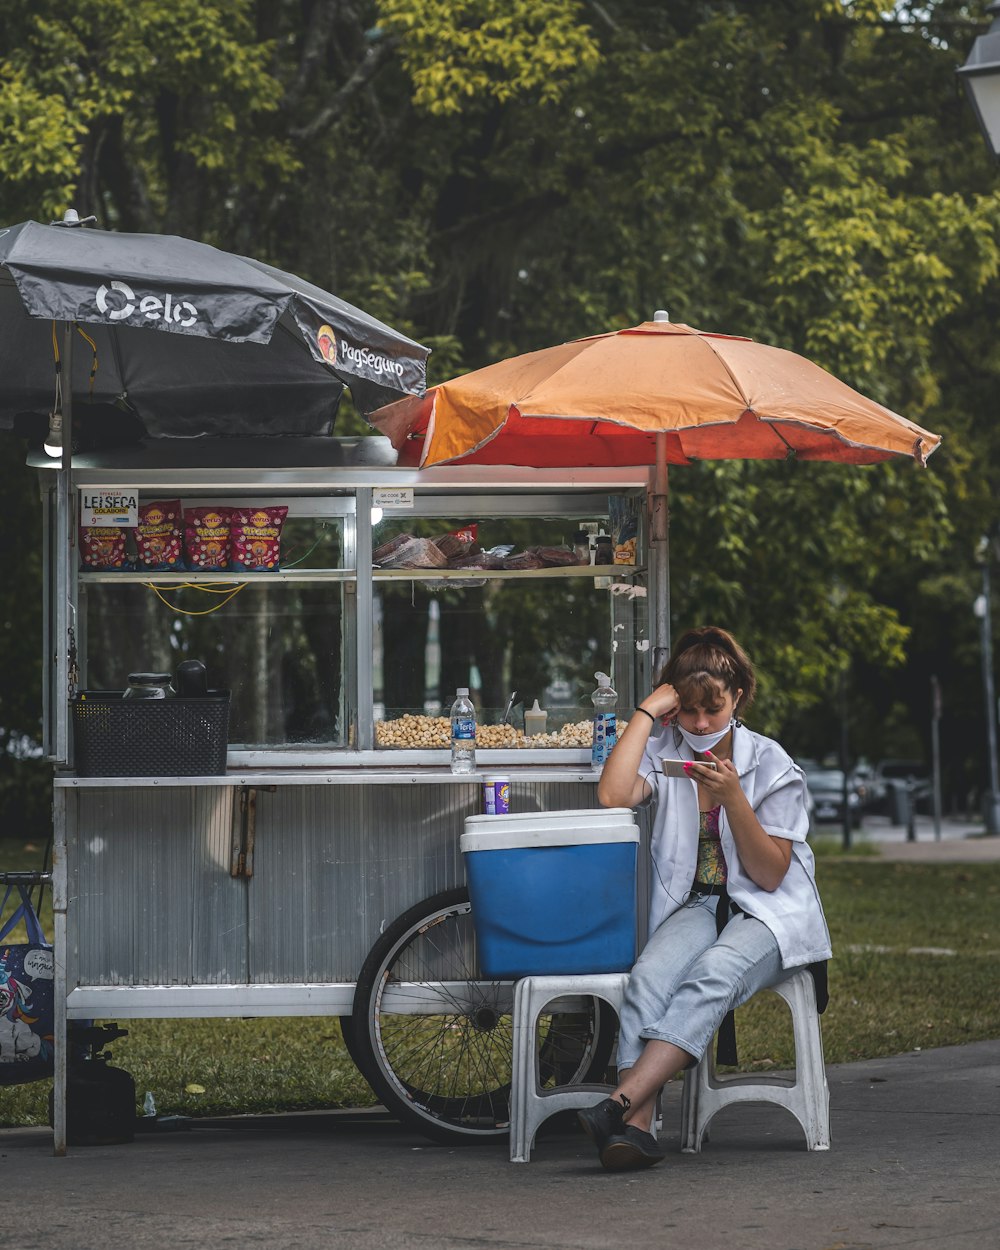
462, 691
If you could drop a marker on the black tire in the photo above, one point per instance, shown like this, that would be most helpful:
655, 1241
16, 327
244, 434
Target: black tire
447, 1073
351, 1044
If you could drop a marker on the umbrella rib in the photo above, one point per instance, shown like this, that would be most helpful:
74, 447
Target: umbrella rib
789, 449
732, 377
119, 363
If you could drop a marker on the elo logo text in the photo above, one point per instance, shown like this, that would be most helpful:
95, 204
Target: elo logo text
117, 301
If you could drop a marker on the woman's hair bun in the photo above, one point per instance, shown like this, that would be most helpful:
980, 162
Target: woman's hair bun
717, 657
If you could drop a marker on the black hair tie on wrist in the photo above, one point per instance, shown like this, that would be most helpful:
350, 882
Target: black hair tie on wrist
645, 713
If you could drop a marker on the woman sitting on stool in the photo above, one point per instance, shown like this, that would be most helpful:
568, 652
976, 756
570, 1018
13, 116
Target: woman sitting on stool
734, 901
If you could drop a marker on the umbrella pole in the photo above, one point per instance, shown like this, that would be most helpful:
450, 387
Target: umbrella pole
659, 526
65, 558
65, 657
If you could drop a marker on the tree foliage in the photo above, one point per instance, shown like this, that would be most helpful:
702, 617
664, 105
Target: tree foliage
493, 177
457, 51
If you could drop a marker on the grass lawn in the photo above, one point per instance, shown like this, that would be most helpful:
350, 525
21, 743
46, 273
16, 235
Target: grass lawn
916, 962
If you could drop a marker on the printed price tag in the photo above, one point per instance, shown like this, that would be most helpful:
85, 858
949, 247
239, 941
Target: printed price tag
392, 497
109, 505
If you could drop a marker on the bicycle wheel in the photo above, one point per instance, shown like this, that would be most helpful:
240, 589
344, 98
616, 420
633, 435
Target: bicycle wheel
436, 1039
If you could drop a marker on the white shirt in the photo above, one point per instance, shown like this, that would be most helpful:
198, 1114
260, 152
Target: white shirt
775, 787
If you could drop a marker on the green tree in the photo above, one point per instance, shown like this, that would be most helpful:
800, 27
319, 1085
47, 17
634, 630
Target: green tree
495, 177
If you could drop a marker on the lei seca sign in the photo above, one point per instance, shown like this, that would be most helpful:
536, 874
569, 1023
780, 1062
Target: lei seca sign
109, 505
117, 301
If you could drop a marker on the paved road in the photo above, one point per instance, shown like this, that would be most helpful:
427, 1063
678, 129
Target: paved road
913, 1165
961, 841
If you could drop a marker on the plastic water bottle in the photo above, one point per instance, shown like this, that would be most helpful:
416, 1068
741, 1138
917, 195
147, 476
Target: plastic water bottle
605, 700
463, 733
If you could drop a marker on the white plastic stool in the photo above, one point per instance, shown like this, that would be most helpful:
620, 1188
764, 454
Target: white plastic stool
529, 1103
807, 1096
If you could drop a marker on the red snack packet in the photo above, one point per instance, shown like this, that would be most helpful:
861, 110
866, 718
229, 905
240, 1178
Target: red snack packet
103, 547
206, 538
159, 539
256, 538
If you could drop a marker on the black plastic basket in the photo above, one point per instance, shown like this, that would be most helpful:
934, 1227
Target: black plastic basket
116, 737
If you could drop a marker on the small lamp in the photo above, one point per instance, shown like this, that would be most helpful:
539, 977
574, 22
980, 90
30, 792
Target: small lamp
981, 75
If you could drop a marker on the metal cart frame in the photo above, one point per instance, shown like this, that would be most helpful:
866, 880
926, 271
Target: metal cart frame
328, 821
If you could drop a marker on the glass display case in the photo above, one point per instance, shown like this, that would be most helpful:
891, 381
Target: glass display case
393, 589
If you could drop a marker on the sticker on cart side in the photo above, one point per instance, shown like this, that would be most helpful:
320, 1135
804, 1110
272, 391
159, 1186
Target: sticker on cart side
109, 505
392, 497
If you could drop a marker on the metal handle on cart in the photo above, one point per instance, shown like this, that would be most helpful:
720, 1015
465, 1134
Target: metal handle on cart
242, 846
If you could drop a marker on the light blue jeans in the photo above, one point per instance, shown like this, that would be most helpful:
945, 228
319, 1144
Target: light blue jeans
687, 978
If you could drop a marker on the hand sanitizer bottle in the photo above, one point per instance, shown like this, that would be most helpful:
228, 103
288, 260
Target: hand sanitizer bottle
605, 700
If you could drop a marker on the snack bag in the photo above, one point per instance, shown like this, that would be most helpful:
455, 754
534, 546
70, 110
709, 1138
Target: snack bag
388, 549
159, 539
103, 547
255, 538
206, 538
457, 542
623, 514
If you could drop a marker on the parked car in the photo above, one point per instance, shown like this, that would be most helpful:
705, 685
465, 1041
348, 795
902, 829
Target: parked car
909, 776
826, 786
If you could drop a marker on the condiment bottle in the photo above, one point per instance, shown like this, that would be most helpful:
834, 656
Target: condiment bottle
191, 679
534, 720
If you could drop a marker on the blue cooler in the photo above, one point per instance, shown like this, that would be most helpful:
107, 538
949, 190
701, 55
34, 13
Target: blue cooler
553, 892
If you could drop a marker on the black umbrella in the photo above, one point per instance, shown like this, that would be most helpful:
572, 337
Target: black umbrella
190, 339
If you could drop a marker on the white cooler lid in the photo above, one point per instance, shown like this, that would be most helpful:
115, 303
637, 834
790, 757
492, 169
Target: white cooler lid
572, 828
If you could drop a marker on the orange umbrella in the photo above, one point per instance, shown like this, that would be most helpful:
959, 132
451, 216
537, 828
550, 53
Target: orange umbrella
602, 400
657, 394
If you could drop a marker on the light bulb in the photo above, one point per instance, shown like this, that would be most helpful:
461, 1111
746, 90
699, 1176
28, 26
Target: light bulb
54, 440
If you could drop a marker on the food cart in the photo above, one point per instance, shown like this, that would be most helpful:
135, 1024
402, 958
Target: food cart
320, 872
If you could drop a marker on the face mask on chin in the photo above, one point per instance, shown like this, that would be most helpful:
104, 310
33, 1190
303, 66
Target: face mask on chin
704, 742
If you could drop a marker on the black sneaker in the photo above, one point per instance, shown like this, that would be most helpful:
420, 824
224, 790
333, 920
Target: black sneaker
630, 1149
603, 1121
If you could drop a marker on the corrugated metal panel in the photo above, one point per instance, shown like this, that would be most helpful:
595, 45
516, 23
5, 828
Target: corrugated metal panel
334, 865
154, 902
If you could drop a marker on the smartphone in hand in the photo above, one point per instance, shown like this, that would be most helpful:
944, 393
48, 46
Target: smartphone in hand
675, 768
